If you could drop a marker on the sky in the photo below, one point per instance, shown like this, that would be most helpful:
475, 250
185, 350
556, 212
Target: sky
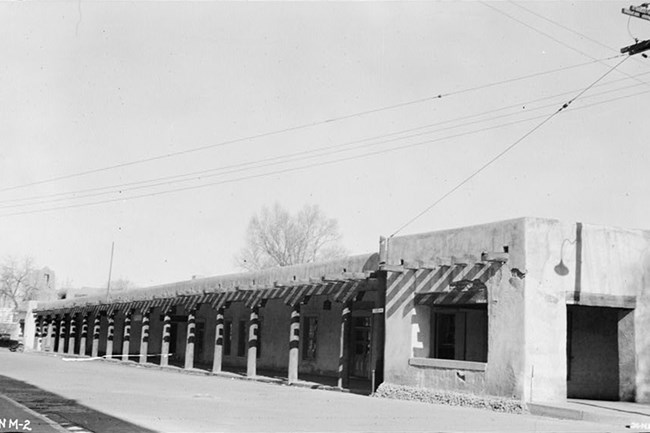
371, 110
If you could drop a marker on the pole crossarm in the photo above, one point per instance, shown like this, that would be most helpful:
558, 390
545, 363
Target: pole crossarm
637, 48
638, 11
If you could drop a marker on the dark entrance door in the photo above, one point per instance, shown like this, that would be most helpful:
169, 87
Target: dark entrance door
361, 335
600, 348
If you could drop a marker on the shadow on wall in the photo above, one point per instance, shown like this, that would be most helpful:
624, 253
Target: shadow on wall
62, 410
401, 286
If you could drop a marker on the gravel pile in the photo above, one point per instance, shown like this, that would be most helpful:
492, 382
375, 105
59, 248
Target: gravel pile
401, 392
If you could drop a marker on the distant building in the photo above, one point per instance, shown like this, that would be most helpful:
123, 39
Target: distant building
12, 319
535, 309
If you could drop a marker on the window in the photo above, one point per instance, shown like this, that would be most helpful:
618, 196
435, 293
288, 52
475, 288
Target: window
459, 333
445, 336
309, 342
227, 337
241, 342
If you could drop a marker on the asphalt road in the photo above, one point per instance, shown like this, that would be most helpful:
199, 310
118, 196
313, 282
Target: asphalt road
15, 418
105, 397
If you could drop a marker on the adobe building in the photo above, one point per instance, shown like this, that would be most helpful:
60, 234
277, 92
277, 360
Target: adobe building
535, 309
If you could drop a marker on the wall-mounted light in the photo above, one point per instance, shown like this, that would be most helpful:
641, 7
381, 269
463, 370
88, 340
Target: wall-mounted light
561, 268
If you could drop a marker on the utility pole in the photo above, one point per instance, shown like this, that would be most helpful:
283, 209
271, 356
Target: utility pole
642, 12
110, 271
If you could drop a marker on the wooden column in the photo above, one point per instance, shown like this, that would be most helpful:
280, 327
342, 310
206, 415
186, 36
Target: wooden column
84, 335
126, 336
96, 328
218, 343
44, 332
51, 334
191, 336
144, 338
109, 335
294, 344
344, 359
62, 334
166, 337
251, 367
73, 334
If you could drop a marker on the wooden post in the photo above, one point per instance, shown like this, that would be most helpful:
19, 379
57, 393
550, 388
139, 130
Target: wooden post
166, 338
51, 334
126, 336
294, 344
251, 367
109, 336
344, 359
73, 334
43, 334
96, 328
218, 344
84, 335
189, 342
62, 335
144, 339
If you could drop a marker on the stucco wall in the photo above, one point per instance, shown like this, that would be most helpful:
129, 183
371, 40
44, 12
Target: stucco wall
155, 336
118, 333
29, 332
608, 267
503, 374
545, 308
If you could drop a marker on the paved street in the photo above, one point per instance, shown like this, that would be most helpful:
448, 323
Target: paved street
105, 397
15, 417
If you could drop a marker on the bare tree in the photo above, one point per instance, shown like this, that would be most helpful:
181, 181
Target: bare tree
122, 284
17, 281
277, 238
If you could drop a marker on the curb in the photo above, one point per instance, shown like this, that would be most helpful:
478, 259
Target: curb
604, 416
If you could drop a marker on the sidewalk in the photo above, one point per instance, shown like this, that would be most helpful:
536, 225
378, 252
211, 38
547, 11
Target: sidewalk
15, 417
635, 416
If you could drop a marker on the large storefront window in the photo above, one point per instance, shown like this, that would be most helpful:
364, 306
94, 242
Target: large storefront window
459, 333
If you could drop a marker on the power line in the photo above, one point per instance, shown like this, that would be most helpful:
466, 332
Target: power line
556, 40
292, 128
301, 156
569, 29
295, 156
292, 169
505, 151
575, 32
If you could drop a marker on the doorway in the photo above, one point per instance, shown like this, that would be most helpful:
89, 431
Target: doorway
361, 337
600, 353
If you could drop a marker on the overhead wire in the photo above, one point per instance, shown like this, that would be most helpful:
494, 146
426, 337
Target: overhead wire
555, 39
296, 156
290, 129
189, 176
293, 169
575, 32
504, 151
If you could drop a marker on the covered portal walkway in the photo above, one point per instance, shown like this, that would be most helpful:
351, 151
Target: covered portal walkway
298, 320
